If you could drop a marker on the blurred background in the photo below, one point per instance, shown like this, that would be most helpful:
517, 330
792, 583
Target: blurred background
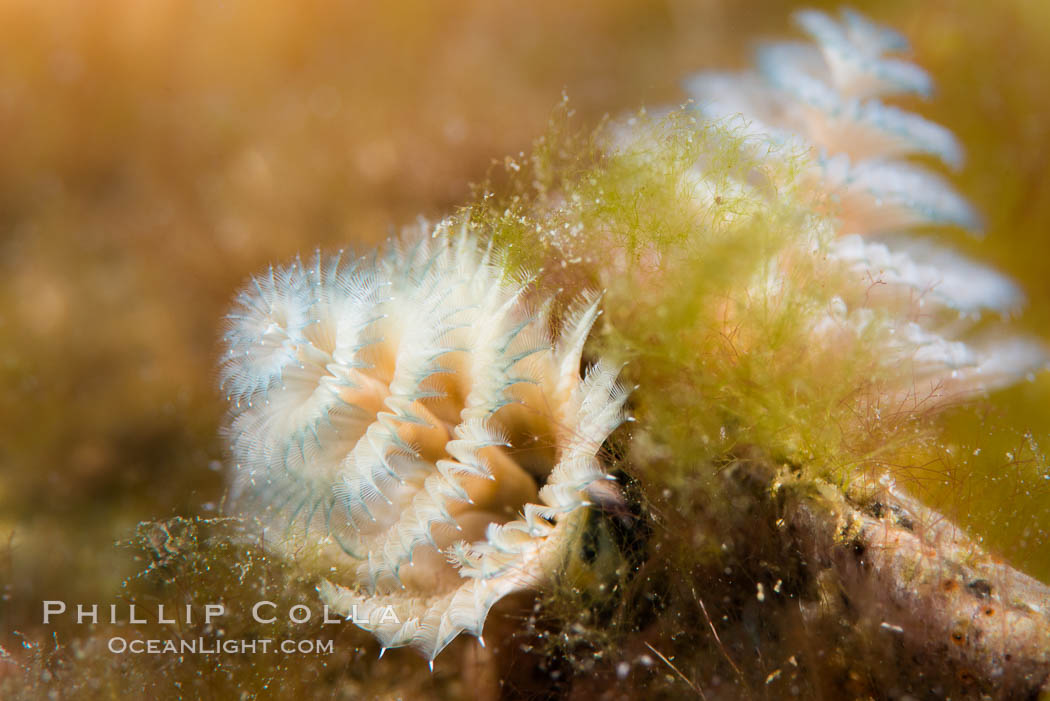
155, 153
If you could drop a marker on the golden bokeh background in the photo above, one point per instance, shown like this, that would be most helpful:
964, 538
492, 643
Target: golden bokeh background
153, 153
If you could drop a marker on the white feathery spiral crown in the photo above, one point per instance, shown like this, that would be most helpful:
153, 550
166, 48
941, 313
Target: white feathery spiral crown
409, 422
822, 101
